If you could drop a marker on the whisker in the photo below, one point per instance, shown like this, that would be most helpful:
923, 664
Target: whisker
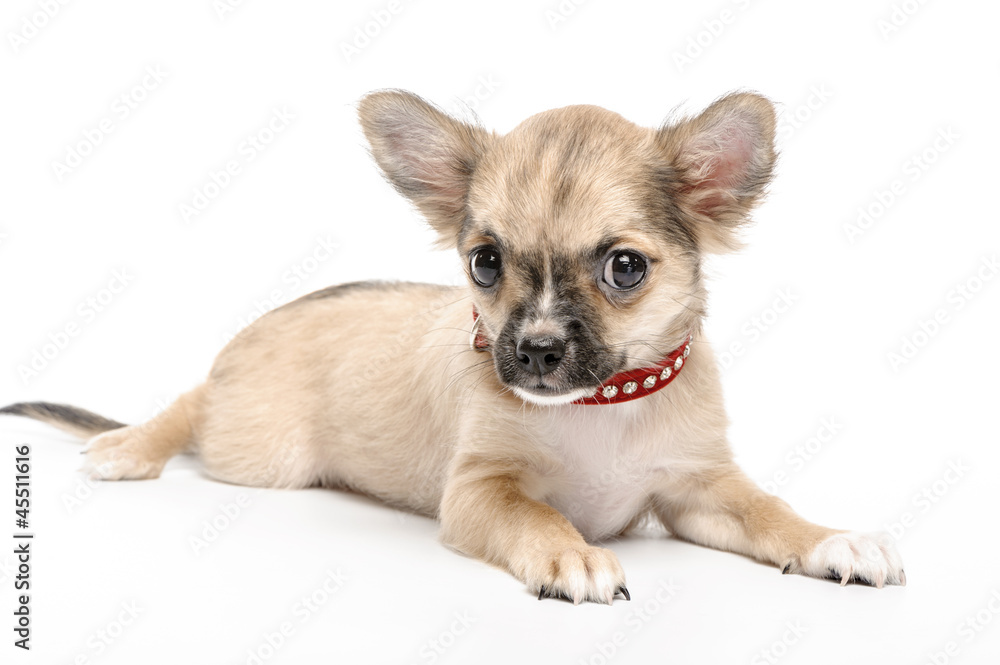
467, 331
465, 371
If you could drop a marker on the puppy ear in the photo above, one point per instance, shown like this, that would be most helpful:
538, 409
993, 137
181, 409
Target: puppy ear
425, 154
722, 160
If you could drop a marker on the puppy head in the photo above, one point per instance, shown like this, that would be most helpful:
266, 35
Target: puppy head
582, 234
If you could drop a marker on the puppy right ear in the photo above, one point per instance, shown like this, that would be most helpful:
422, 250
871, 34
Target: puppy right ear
724, 159
427, 155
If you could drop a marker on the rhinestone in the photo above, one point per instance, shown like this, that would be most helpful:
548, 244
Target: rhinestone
679, 362
649, 382
630, 387
610, 391
687, 350
665, 374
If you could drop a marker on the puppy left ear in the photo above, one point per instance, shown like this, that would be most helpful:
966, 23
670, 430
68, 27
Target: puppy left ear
427, 155
723, 160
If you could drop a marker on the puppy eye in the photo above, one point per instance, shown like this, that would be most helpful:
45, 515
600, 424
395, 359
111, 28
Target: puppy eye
486, 266
624, 270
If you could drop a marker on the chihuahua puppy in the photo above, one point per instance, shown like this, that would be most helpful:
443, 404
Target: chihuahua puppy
563, 395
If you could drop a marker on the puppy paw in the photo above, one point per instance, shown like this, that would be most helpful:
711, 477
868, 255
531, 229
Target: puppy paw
870, 558
121, 454
579, 574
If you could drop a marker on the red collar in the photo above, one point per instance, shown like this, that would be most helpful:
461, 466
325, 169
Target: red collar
623, 387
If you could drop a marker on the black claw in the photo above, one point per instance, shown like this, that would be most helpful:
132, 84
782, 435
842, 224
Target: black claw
787, 567
541, 593
623, 591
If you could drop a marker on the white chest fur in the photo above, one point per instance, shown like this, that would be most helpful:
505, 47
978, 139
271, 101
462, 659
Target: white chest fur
607, 461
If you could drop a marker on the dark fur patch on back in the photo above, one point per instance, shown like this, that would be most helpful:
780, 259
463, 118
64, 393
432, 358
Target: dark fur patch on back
344, 289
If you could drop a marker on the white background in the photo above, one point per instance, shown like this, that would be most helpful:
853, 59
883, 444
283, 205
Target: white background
858, 103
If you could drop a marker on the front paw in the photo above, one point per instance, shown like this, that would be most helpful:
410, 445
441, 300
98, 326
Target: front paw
870, 558
578, 573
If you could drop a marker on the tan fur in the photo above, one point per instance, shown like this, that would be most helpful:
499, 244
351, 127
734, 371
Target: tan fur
375, 387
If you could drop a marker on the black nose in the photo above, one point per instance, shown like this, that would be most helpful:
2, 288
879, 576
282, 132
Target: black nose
541, 355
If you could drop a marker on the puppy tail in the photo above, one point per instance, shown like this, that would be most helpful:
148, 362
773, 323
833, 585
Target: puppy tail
78, 422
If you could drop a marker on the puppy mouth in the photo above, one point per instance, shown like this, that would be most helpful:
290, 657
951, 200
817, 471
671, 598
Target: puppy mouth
549, 396
570, 382
552, 368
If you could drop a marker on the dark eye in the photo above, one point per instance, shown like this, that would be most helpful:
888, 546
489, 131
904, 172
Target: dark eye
486, 266
624, 270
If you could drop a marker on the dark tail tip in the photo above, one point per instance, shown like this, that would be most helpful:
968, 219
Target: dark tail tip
72, 419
